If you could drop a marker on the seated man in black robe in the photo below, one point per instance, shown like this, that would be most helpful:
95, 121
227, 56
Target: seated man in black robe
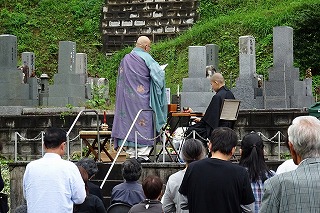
211, 118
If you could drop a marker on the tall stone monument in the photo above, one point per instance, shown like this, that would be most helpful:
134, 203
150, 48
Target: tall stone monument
14, 91
246, 89
69, 85
284, 89
196, 89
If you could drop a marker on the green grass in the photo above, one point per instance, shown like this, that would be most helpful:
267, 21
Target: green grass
41, 24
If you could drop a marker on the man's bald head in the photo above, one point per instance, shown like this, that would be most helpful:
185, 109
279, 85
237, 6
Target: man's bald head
218, 77
143, 42
217, 81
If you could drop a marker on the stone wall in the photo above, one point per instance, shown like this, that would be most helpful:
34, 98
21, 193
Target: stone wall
122, 21
268, 122
30, 127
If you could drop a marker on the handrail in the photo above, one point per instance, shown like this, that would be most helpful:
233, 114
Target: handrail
124, 141
74, 122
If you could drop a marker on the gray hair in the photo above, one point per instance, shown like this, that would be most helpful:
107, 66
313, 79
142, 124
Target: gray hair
131, 169
192, 150
304, 135
89, 165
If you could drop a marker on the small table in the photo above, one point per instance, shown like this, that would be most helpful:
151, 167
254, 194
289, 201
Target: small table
169, 135
85, 135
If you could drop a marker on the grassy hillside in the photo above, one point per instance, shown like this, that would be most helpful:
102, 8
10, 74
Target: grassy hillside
41, 24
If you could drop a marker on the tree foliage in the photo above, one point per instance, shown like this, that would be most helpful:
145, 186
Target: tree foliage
40, 24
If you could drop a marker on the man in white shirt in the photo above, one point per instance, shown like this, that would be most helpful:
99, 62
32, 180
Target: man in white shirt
286, 166
51, 184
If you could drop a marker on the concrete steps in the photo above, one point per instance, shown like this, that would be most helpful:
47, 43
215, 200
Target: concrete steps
114, 178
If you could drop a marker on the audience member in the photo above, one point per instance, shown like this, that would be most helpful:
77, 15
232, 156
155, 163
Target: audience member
4, 206
130, 191
211, 118
51, 184
91, 168
286, 166
140, 85
192, 150
152, 188
215, 184
1, 179
92, 203
297, 190
252, 158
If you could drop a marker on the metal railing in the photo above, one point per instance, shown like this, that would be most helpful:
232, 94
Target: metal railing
74, 122
125, 140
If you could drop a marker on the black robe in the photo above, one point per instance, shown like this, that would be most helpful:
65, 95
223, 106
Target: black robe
211, 118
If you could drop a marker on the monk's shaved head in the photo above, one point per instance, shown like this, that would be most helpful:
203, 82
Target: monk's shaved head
143, 42
217, 77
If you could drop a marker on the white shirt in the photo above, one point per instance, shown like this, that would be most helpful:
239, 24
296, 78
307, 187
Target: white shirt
52, 185
286, 166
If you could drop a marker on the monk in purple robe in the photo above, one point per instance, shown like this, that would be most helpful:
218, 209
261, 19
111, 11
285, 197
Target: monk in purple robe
140, 85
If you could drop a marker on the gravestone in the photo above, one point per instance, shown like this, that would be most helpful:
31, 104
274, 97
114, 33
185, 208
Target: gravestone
284, 89
246, 89
212, 51
28, 63
28, 59
196, 89
69, 84
13, 91
81, 67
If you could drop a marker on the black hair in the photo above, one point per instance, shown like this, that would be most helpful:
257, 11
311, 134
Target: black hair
252, 157
152, 187
223, 139
54, 137
131, 170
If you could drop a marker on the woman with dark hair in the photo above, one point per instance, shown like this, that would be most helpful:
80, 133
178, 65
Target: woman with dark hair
192, 150
152, 188
252, 157
92, 203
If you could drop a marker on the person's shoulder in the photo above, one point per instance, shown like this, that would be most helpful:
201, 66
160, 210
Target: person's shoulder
234, 167
280, 178
120, 186
286, 166
178, 173
136, 208
92, 185
34, 163
94, 198
176, 176
199, 163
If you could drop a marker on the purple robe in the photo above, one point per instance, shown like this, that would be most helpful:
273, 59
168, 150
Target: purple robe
133, 94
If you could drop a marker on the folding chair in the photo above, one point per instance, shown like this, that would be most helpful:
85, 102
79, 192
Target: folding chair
119, 208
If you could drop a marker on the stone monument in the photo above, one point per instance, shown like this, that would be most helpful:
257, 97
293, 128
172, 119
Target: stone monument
284, 89
247, 89
69, 84
14, 91
196, 89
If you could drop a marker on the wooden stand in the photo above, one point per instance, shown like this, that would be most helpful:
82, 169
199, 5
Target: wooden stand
93, 147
